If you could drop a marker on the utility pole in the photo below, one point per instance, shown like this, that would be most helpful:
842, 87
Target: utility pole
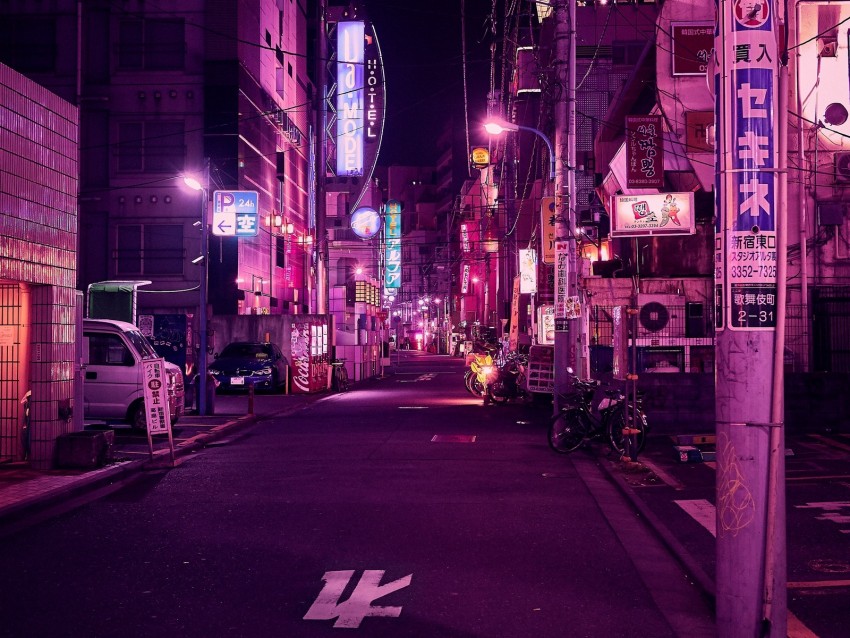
567, 315
750, 292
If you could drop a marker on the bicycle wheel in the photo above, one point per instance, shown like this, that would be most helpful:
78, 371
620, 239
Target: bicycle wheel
497, 392
567, 431
475, 387
621, 419
468, 378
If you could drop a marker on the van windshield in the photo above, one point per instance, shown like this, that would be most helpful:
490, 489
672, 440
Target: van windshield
142, 345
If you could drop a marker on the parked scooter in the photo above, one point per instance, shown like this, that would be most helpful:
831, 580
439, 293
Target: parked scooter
481, 368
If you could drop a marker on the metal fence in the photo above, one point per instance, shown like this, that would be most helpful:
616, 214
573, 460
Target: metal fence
682, 337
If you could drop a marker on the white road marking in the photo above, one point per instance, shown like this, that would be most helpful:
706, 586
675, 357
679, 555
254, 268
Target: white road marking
350, 614
835, 511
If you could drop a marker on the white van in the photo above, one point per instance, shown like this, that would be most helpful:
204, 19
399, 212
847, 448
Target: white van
113, 352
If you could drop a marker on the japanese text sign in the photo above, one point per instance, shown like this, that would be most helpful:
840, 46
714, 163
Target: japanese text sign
644, 152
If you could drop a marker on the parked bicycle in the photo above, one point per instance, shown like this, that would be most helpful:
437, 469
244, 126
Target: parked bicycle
615, 418
509, 381
339, 376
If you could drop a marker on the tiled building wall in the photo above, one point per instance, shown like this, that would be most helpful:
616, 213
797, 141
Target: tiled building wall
38, 241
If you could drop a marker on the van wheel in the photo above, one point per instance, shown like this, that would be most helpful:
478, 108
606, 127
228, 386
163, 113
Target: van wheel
138, 419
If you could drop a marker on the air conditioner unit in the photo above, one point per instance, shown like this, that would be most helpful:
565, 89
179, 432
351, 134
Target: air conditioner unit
842, 168
661, 315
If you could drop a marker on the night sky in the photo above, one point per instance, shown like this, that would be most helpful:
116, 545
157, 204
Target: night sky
421, 46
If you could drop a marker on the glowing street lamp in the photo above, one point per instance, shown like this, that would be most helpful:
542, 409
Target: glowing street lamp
497, 127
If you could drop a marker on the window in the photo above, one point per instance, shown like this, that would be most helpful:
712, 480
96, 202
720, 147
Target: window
163, 251
107, 350
152, 45
150, 146
28, 44
152, 249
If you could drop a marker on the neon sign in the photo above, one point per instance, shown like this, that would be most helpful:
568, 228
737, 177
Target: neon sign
464, 238
392, 254
349, 99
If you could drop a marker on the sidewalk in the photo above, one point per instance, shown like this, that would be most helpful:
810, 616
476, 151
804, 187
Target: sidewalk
28, 495
677, 499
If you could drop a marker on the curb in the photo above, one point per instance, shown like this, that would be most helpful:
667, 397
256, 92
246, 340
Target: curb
90, 486
692, 567
65, 498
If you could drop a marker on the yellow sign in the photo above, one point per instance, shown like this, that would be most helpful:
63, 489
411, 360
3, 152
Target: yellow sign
548, 230
480, 157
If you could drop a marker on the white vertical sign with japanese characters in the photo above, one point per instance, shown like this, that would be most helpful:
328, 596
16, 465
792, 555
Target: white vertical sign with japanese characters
156, 396
745, 246
561, 271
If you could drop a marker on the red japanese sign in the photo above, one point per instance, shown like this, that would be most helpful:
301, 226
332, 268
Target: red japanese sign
644, 152
693, 46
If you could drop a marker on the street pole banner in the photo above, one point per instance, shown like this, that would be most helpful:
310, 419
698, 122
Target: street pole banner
513, 340
549, 230
528, 270
746, 249
561, 270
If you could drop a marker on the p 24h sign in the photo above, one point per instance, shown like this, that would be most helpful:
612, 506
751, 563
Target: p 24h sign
236, 213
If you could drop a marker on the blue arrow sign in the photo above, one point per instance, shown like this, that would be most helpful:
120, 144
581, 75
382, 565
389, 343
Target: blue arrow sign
236, 213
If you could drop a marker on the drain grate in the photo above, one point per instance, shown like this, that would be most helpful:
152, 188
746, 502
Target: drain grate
453, 438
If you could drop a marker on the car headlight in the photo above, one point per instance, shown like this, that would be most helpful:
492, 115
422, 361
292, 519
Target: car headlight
265, 371
213, 371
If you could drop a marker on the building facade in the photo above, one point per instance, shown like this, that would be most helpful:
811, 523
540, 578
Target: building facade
167, 92
39, 306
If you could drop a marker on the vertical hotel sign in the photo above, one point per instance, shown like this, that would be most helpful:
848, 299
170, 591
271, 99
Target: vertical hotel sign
349, 100
745, 240
392, 249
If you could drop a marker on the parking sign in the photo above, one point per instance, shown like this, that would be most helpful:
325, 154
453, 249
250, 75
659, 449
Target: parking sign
236, 213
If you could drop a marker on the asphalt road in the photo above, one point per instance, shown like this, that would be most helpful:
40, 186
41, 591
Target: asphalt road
403, 508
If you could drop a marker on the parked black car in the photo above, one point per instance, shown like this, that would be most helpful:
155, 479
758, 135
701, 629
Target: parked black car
250, 362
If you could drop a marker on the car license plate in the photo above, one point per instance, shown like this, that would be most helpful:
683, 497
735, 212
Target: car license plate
237, 380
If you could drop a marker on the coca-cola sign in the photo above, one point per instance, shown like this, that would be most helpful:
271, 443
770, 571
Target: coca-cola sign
300, 352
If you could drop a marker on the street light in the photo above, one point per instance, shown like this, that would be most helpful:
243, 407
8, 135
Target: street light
497, 127
195, 185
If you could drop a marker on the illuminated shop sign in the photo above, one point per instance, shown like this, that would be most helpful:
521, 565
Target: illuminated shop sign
349, 100
464, 238
365, 222
464, 282
527, 270
392, 250
655, 214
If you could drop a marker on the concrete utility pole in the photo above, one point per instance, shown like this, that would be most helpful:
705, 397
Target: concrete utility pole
567, 323
750, 281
